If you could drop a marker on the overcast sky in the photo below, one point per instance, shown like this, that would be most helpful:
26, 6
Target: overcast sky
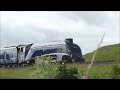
85, 27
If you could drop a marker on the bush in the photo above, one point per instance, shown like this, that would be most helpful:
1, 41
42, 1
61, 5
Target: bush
65, 73
115, 72
44, 69
48, 70
110, 72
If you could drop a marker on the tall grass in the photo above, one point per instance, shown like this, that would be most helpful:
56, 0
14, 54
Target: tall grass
105, 72
44, 69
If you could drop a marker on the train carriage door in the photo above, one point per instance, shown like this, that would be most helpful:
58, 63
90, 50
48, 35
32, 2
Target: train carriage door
21, 54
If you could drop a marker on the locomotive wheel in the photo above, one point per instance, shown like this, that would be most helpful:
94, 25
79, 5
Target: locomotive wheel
3, 66
64, 59
15, 66
31, 62
82, 60
73, 60
8, 66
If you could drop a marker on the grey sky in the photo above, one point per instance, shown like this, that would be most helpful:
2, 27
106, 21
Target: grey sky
85, 27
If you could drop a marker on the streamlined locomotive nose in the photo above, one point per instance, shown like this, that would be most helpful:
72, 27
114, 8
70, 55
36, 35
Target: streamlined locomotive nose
74, 50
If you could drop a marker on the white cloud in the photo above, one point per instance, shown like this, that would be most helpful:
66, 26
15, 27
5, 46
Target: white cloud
85, 27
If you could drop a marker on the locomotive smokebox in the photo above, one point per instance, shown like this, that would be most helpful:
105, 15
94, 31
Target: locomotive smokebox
69, 41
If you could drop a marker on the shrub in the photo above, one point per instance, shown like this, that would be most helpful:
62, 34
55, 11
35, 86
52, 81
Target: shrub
115, 72
65, 73
109, 72
44, 69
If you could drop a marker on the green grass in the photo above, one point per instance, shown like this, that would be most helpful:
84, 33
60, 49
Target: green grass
106, 53
17, 73
96, 72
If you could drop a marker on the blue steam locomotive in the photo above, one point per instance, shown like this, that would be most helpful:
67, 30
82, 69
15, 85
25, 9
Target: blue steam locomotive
25, 54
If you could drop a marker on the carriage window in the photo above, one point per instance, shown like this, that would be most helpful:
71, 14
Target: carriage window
11, 56
7, 57
21, 50
1, 56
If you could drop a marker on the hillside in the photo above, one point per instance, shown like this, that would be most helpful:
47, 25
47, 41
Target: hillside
105, 53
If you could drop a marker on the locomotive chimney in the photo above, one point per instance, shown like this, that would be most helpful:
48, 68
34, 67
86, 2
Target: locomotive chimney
69, 41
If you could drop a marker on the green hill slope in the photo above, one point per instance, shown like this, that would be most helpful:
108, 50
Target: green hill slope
105, 53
